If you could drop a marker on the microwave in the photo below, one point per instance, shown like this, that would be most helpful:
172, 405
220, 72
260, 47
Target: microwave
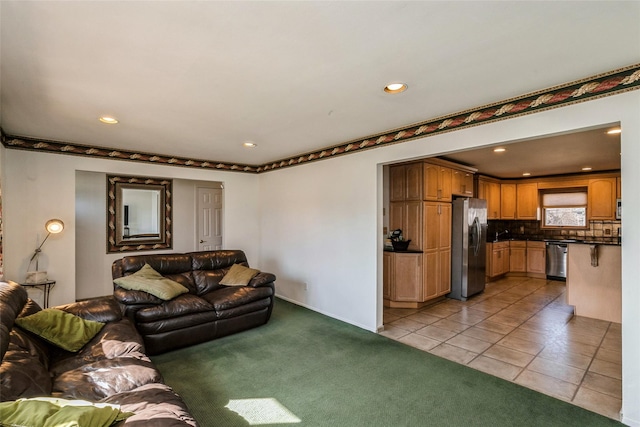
619, 209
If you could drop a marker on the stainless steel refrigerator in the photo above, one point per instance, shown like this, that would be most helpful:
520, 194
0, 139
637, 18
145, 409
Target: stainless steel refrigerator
468, 247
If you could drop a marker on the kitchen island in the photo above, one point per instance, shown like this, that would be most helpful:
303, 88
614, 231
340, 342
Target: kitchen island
594, 280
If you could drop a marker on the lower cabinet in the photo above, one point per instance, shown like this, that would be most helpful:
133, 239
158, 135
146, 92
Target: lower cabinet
537, 258
497, 259
516, 256
402, 280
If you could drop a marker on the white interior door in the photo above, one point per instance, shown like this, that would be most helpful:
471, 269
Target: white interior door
209, 208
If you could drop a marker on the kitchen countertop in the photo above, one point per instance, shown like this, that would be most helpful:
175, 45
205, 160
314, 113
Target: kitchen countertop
568, 241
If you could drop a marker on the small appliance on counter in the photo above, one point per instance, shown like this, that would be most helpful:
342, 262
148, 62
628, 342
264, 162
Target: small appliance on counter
397, 241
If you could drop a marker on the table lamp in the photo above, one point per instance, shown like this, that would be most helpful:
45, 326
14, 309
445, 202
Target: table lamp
53, 226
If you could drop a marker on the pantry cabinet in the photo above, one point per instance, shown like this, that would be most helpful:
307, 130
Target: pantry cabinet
437, 249
405, 182
407, 216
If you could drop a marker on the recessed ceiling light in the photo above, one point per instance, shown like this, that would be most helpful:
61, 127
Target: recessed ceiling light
526, 174
108, 120
586, 168
395, 87
249, 144
499, 150
614, 131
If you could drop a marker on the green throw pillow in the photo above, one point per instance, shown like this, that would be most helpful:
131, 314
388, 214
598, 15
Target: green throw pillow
60, 328
150, 281
50, 411
239, 275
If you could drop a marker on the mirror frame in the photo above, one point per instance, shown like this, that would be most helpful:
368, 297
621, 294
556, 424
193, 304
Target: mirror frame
115, 240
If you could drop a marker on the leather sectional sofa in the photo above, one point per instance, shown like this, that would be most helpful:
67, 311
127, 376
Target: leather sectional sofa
111, 367
208, 310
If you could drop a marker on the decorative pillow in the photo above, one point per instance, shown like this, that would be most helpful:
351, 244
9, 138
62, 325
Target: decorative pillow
60, 328
150, 281
50, 411
239, 275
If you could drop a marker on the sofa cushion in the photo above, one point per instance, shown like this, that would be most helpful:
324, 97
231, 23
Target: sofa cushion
24, 369
153, 404
60, 328
231, 297
116, 339
239, 275
148, 280
13, 297
104, 378
51, 412
180, 306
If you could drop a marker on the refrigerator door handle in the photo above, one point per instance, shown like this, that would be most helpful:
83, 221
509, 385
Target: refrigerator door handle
476, 236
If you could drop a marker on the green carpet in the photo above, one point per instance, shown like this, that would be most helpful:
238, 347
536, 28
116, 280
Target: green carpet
323, 372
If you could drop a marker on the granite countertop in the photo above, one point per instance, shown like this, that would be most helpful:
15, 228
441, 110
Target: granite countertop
568, 241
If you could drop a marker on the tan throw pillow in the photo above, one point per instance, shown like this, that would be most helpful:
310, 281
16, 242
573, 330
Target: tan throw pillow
148, 280
239, 275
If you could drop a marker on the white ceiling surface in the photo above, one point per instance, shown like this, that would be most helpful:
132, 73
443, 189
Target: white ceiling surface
196, 79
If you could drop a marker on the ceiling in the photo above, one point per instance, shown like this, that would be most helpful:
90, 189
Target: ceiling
550, 155
197, 79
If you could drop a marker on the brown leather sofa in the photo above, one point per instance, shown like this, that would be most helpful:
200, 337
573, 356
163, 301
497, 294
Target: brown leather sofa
209, 310
111, 368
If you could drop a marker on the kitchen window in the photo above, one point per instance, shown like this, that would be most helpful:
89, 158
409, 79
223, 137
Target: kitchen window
564, 209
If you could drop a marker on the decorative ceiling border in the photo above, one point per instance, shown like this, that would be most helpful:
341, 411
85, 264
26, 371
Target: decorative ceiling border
606, 84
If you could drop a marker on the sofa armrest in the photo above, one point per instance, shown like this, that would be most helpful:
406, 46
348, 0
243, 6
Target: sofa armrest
262, 279
103, 309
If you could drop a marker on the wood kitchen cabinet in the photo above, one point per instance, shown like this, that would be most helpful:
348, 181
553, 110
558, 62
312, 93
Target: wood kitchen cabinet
437, 249
405, 182
508, 201
407, 216
602, 198
437, 182
517, 256
490, 191
462, 183
536, 259
497, 259
527, 200
402, 279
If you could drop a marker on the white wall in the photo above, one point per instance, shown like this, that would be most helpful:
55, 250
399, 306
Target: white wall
40, 186
321, 223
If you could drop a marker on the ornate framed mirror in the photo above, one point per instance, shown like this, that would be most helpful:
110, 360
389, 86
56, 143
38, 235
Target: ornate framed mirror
139, 213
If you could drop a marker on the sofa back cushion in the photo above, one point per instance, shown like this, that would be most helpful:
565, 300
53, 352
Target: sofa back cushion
209, 267
176, 267
13, 297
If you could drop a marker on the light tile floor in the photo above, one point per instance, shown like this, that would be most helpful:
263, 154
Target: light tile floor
521, 329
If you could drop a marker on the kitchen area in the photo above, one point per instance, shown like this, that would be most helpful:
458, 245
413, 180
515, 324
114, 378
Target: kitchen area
507, 259
561, 226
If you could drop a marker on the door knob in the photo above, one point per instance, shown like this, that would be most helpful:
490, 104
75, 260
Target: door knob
202, 241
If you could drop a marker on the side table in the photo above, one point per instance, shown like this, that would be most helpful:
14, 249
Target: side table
46, 287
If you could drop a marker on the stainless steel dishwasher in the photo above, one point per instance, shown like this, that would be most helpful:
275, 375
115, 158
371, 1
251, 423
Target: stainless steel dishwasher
556, 260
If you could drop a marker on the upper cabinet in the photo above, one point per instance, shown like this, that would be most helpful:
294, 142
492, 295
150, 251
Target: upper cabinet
462, 183
405, 182
602, 198
527, 200
489, 190
508, 201
437, 183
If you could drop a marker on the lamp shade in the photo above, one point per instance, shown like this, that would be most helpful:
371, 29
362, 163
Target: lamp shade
54, 226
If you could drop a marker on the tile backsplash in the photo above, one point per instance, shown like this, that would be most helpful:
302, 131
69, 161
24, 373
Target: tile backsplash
531, 230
